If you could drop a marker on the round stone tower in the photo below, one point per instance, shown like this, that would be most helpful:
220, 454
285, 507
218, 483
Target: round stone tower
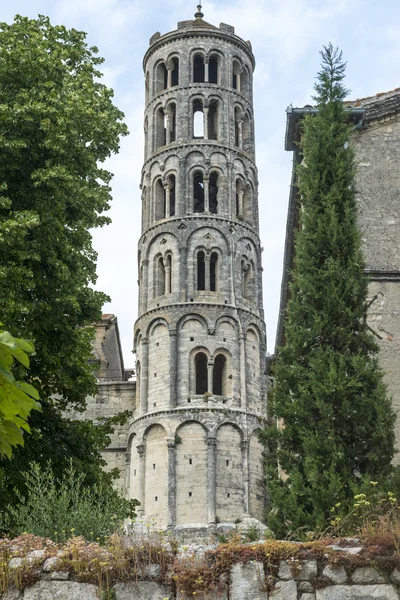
200, 336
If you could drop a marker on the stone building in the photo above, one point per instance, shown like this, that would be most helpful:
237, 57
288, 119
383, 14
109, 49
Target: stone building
193, 449
376, 140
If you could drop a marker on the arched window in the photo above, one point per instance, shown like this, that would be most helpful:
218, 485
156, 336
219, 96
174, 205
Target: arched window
219, 375
201, 271
248, 205
168, 274
161, 129
198, 192
175, 71
198, 69
213, 118
213, 69
238, 124
248, 280
161, 78
236, 71
200, 362
159, 280
247, 138
146, 137
198, 119
213, 272
239, 198
159, 200
245, 82
213, 192
172, 194
172, 111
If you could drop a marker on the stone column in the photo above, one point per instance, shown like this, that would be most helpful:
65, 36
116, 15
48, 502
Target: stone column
173, 363
141, 490
144, 368
241, 196
238, 83
206, 72
240, 129
207, 259
210, 372
183, 268
246, 477
167, 200
242, 348
167, 268
169, 77
171, 483
168, 128
211, 478
143, 289
127, 482
205, 122
206, 183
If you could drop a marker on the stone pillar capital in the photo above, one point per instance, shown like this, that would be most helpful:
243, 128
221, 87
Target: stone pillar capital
171, 444
173, 333
244, 444
141, 448
145, 341
212, 442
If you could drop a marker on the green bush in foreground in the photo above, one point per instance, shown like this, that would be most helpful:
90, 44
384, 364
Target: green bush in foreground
58, 509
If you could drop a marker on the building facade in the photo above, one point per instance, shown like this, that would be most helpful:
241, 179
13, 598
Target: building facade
193, 449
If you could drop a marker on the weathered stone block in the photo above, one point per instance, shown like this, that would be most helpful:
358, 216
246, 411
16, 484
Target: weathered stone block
61, 590
284, 590
308, 570
143, 590
49, 564
285, 571
307, 597
246, 582
12, 594
395, 577
305, 587
216, 595
337, 575
59, 575
367, 575
357, 592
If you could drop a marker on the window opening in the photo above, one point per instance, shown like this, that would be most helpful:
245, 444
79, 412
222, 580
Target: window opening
213, 70
198, 69
201, 373
161, 78
201, 271
159, 192
173, 123
175, 72
198, 119
213, 121
160, 277
213, 272
218, 375
213, 193
161, 128
172, 195
198, 185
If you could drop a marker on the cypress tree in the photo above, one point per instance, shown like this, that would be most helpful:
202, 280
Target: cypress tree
329, 394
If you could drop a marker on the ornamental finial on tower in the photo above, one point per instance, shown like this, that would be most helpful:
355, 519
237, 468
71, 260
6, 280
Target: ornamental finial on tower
199, 14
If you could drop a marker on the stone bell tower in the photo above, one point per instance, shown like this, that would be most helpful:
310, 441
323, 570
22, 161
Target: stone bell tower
200, 336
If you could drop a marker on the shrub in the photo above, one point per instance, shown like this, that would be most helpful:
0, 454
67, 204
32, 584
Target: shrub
58, 509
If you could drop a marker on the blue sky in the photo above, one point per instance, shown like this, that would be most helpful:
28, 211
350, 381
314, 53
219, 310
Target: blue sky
286, 36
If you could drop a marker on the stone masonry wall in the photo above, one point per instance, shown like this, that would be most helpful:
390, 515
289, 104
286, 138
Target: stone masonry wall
298, 580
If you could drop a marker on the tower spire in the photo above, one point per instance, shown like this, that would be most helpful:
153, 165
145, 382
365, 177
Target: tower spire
199, 14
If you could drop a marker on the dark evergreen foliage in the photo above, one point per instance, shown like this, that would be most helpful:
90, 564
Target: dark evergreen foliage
338, 421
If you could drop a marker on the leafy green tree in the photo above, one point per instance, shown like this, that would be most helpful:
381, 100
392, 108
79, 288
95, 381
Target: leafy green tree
17, 398
58, 125
337, 418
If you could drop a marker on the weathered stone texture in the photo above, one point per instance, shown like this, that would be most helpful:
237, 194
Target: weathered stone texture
358, 592
246, 582
336, 574
284, 590
143, 590
61, 590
